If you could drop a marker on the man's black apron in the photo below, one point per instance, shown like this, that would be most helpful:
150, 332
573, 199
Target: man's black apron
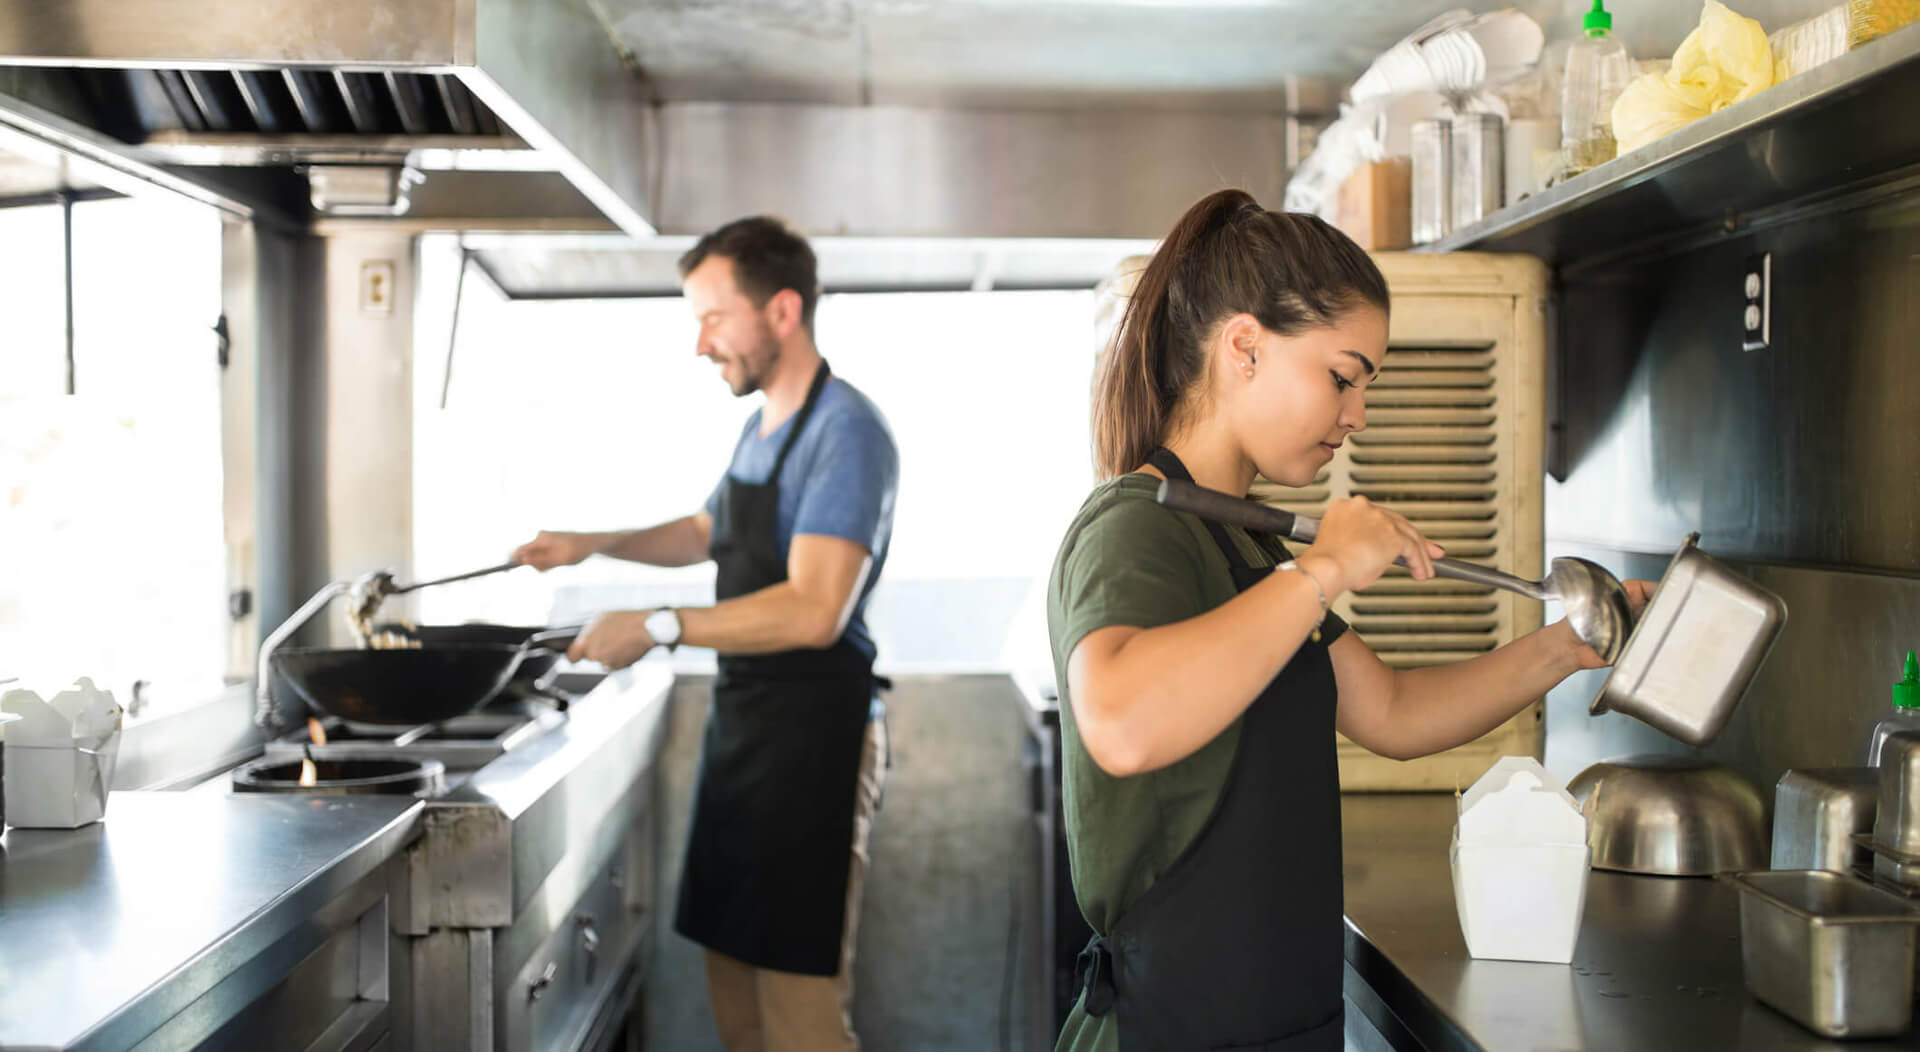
1239, 944
765, 880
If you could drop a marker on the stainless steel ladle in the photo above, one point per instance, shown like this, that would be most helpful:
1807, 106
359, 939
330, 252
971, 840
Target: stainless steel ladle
1595, 602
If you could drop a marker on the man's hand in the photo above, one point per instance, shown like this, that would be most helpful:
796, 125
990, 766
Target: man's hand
616, 639
552, 548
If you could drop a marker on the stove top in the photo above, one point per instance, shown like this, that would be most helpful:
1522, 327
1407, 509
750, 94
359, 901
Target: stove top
389, 775
462, 744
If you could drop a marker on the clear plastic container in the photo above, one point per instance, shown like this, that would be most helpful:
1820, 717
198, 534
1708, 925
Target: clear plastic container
1598, 69
1905, 715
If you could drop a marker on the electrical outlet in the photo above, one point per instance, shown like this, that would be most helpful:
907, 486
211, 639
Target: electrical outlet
1756, 318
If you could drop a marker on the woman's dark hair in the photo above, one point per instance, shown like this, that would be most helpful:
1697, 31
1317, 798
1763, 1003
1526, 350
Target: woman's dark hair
767, 257
1226, 256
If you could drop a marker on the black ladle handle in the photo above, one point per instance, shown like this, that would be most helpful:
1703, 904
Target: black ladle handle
1236, 511
1250, 515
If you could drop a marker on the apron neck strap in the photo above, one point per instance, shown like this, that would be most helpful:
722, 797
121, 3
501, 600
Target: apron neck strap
1170, 466
800, 419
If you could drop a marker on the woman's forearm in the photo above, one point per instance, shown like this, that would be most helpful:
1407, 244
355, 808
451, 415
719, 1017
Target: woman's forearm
1441, 706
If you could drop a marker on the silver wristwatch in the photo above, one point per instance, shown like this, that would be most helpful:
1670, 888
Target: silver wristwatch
663, 627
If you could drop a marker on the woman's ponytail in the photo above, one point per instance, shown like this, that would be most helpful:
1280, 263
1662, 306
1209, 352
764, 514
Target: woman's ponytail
1226, 255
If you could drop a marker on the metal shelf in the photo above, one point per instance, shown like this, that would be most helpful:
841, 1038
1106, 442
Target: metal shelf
1846, 124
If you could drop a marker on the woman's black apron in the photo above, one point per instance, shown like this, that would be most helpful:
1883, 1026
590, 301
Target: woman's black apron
765, 880
1239, 945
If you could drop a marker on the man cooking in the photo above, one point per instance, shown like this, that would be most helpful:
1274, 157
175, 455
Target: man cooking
792, 760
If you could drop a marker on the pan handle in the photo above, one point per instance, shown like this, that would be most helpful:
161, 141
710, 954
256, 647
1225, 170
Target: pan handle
555, 638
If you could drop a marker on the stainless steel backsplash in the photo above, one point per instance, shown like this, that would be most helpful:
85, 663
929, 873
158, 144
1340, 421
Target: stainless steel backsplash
1799, 463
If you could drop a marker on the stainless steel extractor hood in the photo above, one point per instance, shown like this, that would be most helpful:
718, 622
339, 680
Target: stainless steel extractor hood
510, 114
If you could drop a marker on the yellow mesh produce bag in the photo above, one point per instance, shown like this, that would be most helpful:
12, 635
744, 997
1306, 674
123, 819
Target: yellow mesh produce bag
1726, 59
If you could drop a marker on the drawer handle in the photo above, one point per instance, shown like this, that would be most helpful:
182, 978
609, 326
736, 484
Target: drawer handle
539, 986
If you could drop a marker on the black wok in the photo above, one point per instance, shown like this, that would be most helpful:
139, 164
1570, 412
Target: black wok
424, 685
434, 637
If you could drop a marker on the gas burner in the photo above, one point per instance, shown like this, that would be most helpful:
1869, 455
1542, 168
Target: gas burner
388, 775
462, 744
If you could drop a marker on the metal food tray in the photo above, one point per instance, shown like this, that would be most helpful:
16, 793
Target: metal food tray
1833, 953
1694, 649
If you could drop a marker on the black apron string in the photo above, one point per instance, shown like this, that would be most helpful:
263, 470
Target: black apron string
800, 420
1170, 466
1095, 969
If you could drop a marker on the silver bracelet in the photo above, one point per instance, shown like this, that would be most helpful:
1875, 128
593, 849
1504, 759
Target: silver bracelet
1317, 590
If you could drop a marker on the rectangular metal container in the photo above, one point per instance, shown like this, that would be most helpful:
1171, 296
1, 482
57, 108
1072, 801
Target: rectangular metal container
1833, 953
1816, 814
1694, 649
1896, 823
1432, 149
1479, 167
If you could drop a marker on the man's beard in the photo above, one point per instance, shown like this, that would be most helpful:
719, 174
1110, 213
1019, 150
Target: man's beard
757, 363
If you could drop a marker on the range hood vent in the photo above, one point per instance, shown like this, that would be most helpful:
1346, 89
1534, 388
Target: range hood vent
291, 101
504, 105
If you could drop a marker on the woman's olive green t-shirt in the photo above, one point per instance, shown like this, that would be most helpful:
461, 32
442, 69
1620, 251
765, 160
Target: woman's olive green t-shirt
1126, 560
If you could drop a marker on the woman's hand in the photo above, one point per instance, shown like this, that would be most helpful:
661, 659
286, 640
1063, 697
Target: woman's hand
1360, 539
1586, 657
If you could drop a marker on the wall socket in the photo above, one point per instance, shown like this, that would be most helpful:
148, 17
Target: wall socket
1756, 318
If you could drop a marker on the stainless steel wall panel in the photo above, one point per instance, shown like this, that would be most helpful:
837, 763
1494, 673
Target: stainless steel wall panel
906, 172
1806, 452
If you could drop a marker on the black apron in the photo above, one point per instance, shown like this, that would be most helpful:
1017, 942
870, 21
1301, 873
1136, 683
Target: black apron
765, 880
1239, 945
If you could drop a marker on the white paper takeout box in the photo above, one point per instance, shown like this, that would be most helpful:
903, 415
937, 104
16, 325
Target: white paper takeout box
60, 756
1519, 859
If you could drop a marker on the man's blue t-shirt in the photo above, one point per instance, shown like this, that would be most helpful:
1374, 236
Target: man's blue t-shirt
838, 481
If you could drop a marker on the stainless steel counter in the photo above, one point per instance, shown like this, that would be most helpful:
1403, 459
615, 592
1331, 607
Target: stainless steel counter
1657, 965
108, 931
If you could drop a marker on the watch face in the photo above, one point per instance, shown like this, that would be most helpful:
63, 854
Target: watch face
663, 626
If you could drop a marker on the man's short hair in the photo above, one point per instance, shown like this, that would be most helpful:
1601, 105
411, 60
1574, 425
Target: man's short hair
767, 257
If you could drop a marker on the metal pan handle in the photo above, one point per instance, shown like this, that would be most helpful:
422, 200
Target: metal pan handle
554, 638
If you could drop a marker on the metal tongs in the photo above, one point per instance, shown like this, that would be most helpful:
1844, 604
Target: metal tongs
380, 582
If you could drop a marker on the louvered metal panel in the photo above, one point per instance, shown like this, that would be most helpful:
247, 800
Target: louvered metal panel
1454, 436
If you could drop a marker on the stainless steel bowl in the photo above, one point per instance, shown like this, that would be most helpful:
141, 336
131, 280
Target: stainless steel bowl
1671, 816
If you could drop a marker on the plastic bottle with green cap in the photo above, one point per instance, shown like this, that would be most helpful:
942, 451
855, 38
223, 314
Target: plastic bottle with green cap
1598, 69
1906, 711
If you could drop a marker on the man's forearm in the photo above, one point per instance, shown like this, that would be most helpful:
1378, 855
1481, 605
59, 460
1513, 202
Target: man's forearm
681, 542
776, 618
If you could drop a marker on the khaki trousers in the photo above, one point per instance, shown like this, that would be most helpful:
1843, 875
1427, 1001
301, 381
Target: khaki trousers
760, 1010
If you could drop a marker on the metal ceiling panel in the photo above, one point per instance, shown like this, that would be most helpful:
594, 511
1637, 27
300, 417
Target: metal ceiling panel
1027, 53
594, 267
1186, 54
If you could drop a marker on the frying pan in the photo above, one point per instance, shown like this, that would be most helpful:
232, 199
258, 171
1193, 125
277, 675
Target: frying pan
434, 637
408, 687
